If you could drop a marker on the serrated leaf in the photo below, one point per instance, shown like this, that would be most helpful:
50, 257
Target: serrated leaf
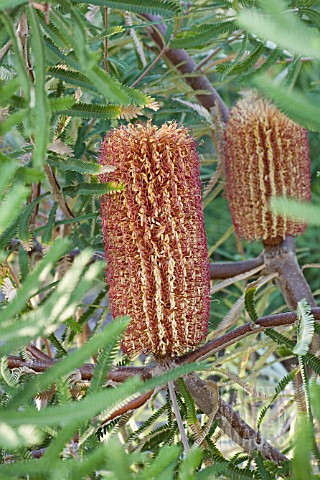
243, 66
61, 103
73, 360
12, 121
156, 7
93, 110
204, 34
305, 328
30, 287
94, 188
48, 230
81, 166
73, 77
10, 208
90, 406
249, 303
23, 227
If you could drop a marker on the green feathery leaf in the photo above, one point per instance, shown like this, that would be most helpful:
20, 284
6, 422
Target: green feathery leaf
23, 227
249, 303
156, 7
107, 188
191, 409
92, 110
75, 165
204, 34
305, 328
48, 231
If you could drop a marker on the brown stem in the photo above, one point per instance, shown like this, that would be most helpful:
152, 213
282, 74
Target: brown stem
128, 407
58, 193
147, 70
230, 421
5, 49
186, 65
245, 436
281, 259
224, 270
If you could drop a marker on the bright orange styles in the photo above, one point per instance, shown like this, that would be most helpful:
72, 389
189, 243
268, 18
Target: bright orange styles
267, 155
155, 243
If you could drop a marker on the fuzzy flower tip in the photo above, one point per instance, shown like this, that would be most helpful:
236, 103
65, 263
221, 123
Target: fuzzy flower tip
155, 242
267, 155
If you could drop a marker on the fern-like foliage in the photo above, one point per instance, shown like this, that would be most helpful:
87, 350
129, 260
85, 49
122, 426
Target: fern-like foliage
204, 34
305, 328
157, 7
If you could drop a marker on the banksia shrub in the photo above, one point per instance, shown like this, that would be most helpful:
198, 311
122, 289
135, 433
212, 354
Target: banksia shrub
267, 155
155, 243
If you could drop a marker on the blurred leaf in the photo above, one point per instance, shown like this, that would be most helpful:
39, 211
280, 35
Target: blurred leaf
282, 27
296, 105
296, 210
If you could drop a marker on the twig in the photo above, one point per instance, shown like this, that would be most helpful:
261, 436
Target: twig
218, 344
128, 407
282, 260
176, 411
207, 58
58, 193
5, 49
147, 70
229, 281
224, 270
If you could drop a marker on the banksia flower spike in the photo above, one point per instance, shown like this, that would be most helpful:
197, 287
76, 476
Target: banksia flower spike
267, 155
155, 243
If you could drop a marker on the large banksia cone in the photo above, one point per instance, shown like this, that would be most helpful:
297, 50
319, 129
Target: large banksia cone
267, 155
155, 243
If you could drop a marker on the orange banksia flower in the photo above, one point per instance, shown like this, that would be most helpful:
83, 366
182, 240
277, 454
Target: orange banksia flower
155, 242
267, 155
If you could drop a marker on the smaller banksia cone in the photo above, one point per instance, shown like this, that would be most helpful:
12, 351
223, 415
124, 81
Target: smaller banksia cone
267, 155
155, 243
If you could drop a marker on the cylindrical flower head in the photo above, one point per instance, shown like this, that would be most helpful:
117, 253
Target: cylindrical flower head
155, 242
267, 155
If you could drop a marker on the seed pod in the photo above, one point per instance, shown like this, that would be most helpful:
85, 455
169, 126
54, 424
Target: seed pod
267, 155
155, 242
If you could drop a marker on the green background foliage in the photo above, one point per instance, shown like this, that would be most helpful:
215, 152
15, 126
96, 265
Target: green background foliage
69, 72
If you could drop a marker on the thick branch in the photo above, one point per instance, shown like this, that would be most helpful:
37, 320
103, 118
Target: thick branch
230, 421
186, 65
116, 374
281, 259
224, 270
